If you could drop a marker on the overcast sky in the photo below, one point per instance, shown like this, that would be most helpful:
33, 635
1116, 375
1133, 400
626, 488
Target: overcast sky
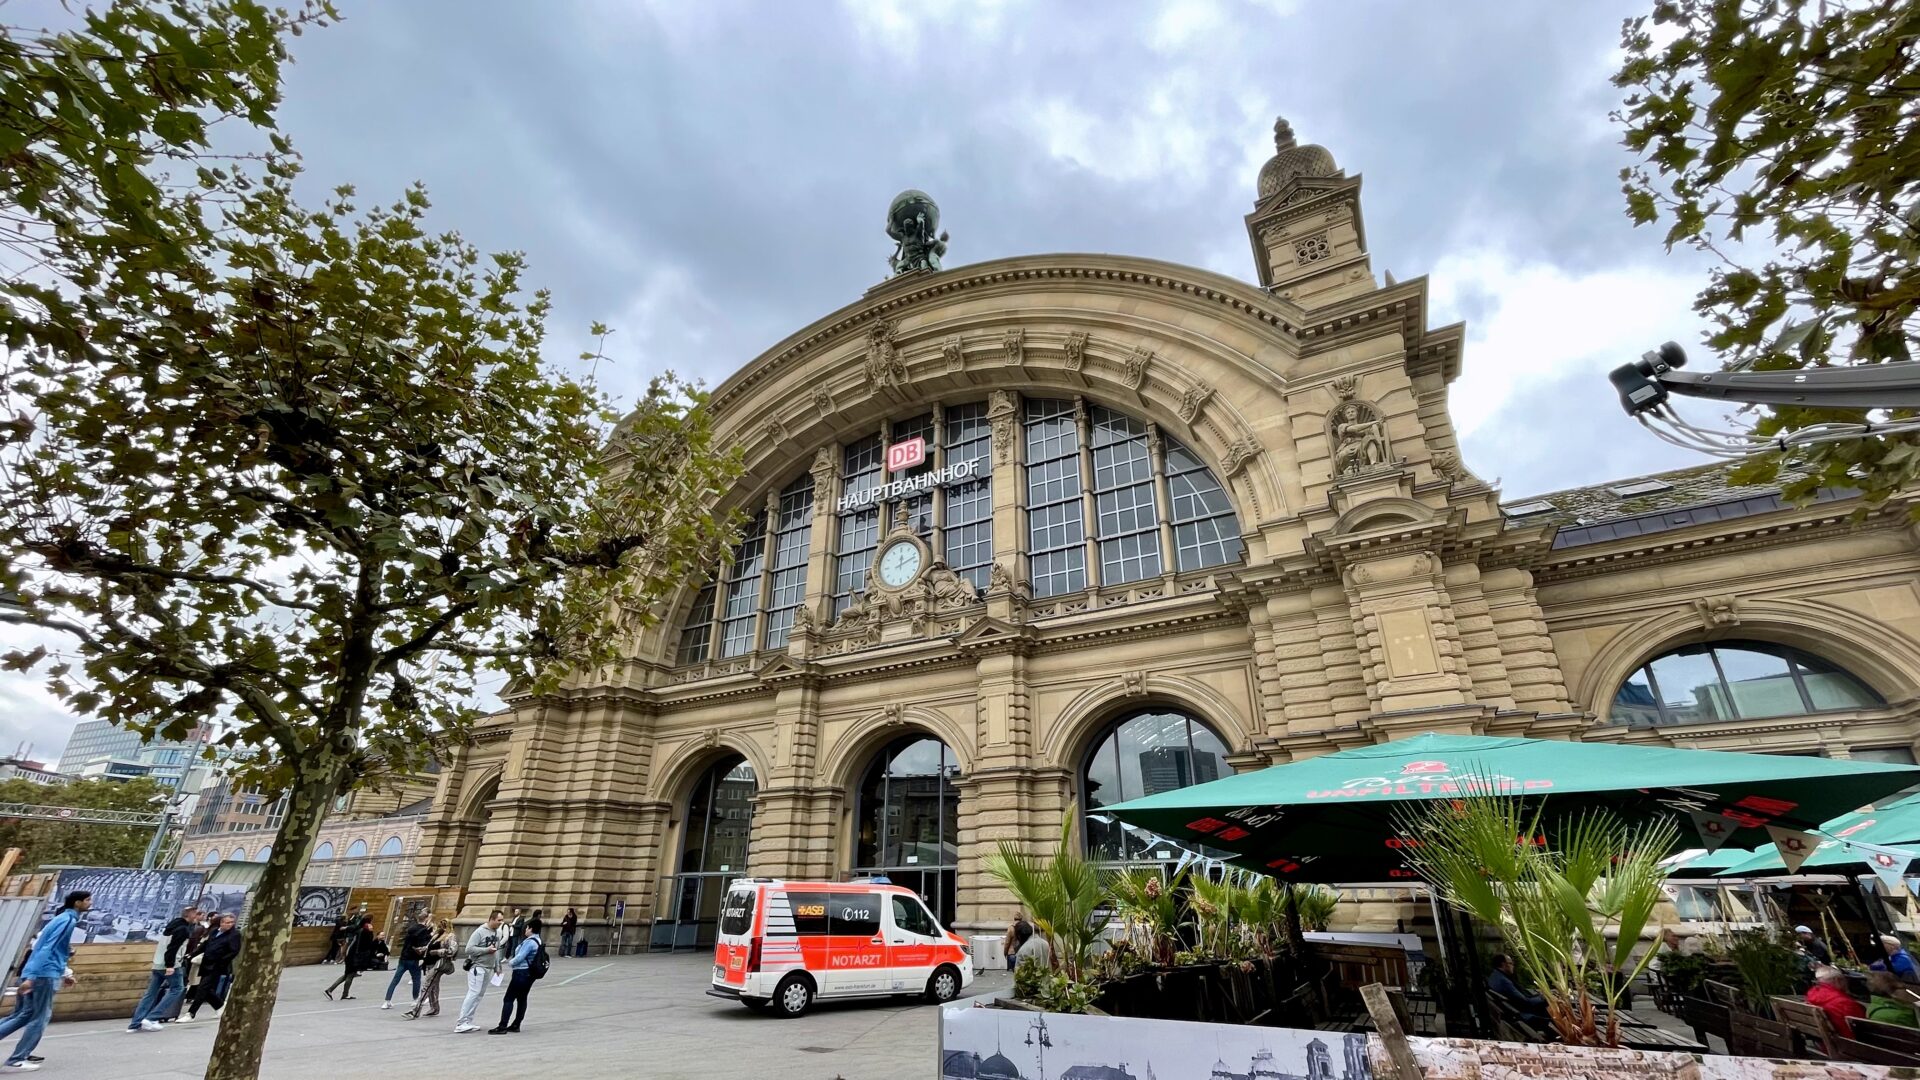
709, 176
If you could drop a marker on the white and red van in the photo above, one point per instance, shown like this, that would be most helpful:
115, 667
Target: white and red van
783, 944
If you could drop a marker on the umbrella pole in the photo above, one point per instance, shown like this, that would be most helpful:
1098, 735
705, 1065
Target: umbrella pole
1296, 940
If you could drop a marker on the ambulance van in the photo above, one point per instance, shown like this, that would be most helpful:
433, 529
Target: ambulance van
785, 944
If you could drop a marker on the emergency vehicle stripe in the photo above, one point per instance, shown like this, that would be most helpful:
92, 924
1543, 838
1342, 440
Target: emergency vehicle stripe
779, 915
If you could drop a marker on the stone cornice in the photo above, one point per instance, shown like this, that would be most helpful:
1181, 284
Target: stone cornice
1399, 308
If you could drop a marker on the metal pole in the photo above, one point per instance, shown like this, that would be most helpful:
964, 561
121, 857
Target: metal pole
159, 831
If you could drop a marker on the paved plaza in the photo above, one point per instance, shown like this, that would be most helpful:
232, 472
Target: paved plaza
632, 1016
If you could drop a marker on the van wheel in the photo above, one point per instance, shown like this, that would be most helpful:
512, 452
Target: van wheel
793, 997
944, 986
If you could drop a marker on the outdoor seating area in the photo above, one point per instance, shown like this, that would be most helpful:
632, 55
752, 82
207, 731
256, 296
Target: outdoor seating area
1724, 1017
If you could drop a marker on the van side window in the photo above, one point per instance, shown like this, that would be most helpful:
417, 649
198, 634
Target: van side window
855, 914
736, 913
809, 913
908, 915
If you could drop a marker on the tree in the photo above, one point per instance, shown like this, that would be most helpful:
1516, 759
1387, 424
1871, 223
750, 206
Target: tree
1791, 124
307, 471
58, 843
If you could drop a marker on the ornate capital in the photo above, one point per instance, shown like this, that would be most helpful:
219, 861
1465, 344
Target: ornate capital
1136, 374
1014, 344
1076, 350
883, 366
1239, 452
823, 399
1195, 399
1345, 385
823, 471
955, 352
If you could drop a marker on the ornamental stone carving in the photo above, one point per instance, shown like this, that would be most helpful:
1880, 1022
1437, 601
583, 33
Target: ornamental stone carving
1195, 399
944, 591
1448, 467
804, 624
1014, 344
884, 367
1718, 612
1000, 412
823, 400
1001, 580
775, 432
1076, 350
1356, 433
1133, 684
823, 469
1137, 366
955, 352
1239, 452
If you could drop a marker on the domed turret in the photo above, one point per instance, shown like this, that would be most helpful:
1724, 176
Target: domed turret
1290, 159
997, 1067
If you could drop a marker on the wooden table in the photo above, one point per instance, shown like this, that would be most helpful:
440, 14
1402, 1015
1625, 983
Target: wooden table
1653, 1038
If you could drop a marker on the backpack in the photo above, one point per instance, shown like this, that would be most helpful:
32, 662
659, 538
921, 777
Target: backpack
537, 967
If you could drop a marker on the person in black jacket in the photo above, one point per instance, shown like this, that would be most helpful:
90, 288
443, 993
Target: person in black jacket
413, 952
168, 980
358, 959
216, 964
342, 937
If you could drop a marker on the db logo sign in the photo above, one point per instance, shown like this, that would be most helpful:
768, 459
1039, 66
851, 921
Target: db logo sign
905, 455
1419, 768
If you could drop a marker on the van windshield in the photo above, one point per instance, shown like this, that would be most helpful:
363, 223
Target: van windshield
736, 914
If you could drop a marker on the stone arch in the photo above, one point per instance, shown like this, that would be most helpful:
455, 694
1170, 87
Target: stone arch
1087, 717
846, 761
478, 791
1380, 513
675, 776
1877, 654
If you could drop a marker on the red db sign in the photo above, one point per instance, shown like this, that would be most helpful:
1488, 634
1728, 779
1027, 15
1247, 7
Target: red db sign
905, 455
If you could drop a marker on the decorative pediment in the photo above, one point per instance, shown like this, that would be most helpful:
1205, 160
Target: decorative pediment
783, 668
989, 633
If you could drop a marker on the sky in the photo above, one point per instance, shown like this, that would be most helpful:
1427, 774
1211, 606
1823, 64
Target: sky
708, 177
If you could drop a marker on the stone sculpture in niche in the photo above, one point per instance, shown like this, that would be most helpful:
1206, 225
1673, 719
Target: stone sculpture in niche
1356, 433
1000, 411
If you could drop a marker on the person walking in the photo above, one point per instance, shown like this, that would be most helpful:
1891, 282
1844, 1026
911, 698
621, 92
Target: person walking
527, 966
413, 954
568, 924
42, 976
482, 962
358, 959
439, 962
216, 968
168, 980
342, 934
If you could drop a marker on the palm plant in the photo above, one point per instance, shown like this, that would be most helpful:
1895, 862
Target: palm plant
1555, 905
1062, 893
1316, 905
1148, 904
1214, 906
1263, 911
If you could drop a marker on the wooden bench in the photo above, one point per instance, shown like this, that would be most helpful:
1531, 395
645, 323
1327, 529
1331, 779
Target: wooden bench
1903, 1040
1709, 1018
1811, 1026
1846, 1049
1756, 1036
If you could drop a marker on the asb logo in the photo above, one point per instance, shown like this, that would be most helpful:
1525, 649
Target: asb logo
1422, 768
905, 455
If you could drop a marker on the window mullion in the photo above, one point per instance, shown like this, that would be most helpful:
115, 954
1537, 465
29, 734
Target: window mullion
1162, 501
1726, 688
1653, 687
1089, 502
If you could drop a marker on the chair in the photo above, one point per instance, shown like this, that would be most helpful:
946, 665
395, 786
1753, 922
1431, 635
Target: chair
1722, 994
1846, 1049
1811, 1026
1511, 1026
1424, 1009
1709, 1018
1756, 1036
1905, 1040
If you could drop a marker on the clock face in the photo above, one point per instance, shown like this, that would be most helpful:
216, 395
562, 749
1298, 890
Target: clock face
899, 563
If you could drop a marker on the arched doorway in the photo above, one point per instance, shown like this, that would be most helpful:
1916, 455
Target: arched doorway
909, 820
1142, 753
713, 852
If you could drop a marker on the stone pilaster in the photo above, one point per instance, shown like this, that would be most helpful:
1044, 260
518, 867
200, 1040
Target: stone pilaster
1410, 646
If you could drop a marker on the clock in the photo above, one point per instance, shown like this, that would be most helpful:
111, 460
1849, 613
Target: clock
899, 563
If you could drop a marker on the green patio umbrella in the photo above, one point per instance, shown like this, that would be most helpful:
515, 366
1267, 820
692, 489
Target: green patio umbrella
1706, 864
1895, 827
1340, 807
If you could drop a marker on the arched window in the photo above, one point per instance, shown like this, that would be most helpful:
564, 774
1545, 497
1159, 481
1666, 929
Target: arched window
909, 820
1144, 753
1149, 493
393, 846
213, 859
265, 853
323, 852
1735, 680
238, 854
357, 850
752, 582
187, 858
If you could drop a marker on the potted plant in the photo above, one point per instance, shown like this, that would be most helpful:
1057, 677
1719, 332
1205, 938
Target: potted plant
1569, 907
1768, 963
1062, 894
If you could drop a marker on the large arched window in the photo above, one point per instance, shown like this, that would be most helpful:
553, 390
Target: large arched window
766, 575
357, 850
323, 852
909, 819
719, 819
1144, 753
1735, 680
393, 846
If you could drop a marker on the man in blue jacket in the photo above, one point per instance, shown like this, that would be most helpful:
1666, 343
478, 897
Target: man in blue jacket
167, 982
44, 973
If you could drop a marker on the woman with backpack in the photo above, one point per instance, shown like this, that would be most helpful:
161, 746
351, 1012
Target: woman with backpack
439, 961
359, 958
529, 963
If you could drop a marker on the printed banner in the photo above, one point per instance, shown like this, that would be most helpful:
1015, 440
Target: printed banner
128, 905
1888, 864
1794, 847
981, 1043
1714, 829
320, 905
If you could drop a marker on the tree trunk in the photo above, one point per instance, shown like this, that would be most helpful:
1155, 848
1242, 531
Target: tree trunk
256, 974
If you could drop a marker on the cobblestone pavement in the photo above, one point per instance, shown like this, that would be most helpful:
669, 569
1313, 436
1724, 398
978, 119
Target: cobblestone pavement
631, 1016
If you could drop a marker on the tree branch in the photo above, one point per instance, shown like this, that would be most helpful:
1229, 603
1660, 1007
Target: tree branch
82, 558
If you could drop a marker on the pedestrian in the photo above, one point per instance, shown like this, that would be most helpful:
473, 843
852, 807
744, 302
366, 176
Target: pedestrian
1811, 943
439, 962
342, 934
568, 924
482, 962
381, 951
168, 980
216, 969
529, 963
516, 931
1033, 946
1010, 944
42, 976
1898, 960
413, 954
359, 958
